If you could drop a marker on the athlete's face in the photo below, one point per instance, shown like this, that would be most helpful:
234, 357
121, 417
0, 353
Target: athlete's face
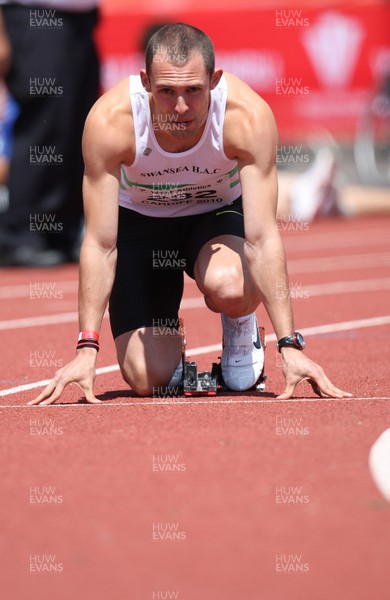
180, 96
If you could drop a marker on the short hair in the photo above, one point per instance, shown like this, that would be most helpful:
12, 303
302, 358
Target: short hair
177, 41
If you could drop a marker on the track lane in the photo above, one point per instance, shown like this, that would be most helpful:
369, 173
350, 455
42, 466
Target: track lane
225, 502
100, 459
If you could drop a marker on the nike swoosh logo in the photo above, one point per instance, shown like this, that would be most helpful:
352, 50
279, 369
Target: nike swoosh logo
257, 343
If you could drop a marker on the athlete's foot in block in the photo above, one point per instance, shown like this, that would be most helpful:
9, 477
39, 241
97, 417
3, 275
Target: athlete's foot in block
242, 358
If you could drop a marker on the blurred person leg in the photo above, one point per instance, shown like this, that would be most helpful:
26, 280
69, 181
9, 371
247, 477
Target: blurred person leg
54, 78
8, 114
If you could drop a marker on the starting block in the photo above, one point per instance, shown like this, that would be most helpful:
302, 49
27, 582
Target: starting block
200, 383
194, 382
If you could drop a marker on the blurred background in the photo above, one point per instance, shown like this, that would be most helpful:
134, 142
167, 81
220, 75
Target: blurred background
322, 66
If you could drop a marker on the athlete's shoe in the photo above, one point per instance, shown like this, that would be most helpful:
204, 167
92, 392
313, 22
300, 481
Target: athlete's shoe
177, 375
242, 360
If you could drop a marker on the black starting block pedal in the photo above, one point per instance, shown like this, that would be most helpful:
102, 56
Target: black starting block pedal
198, 383
210, 382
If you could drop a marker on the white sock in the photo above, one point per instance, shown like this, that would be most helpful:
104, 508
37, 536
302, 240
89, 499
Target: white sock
176, 377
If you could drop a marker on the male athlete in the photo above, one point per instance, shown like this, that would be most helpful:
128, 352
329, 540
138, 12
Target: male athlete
180, 161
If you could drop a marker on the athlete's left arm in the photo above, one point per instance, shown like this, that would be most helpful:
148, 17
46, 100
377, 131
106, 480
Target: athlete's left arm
256, 154
264, 251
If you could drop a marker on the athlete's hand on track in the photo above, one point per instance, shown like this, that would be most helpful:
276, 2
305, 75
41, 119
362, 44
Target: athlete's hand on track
298, 367
80, 370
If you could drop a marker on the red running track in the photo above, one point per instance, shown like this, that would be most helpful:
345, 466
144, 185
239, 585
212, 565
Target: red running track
226, 498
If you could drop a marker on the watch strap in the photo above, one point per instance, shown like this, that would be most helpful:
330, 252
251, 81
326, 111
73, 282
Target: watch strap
290, 341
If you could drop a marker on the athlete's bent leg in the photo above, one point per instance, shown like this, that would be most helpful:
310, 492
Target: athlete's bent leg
222, 275
149, 359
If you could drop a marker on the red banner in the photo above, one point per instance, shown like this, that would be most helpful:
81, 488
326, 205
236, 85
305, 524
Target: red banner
316, 68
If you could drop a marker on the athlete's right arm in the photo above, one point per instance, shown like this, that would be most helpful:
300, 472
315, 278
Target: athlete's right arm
98, 251
102, 157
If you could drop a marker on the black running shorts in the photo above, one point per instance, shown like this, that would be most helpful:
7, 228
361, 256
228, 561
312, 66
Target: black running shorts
153, 254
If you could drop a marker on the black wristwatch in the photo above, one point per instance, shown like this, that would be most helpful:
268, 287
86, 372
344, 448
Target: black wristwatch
292, 341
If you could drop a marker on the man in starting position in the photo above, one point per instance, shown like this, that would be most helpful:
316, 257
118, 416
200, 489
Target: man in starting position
190, 153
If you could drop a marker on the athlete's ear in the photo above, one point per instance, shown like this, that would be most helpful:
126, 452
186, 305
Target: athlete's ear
145, 80
215, 77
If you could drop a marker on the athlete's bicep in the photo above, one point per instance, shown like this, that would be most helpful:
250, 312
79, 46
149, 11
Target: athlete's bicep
100, 187
258, 176
259, 199
101, 209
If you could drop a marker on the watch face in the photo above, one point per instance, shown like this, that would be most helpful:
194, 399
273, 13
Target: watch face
300, 340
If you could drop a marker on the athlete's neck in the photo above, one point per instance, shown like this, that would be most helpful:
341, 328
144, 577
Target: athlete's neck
169, 143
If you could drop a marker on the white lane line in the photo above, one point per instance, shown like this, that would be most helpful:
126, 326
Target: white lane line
190, 401
343, 287
339, 263
39, 290
316, 289
44, 290
69, 317
297, 292
346, 325
318, 329
304, 242
196, 302
72, 317
379, 463
323, 241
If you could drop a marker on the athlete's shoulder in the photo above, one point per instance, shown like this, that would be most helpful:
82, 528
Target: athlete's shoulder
244, 107
109, 124
241, 97
111, 108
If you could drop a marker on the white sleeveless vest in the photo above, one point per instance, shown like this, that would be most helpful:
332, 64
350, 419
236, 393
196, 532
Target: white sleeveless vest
167, 184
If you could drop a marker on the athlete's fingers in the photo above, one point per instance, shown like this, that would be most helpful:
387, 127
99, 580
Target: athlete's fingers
288, 391
316, 388
321, 386
324, 388
93, 400
334, 392
46, 393
54, 390
88, 393
55, 395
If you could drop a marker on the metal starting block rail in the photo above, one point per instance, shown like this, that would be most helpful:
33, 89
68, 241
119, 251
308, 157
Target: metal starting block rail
203, 382
209, 383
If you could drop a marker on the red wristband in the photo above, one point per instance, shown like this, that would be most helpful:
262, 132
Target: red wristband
88, 334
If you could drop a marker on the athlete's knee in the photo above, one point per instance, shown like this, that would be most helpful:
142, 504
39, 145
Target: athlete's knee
148, 361
148, 379
224, 283
224, 287
136, 381
145, 382
229, 292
